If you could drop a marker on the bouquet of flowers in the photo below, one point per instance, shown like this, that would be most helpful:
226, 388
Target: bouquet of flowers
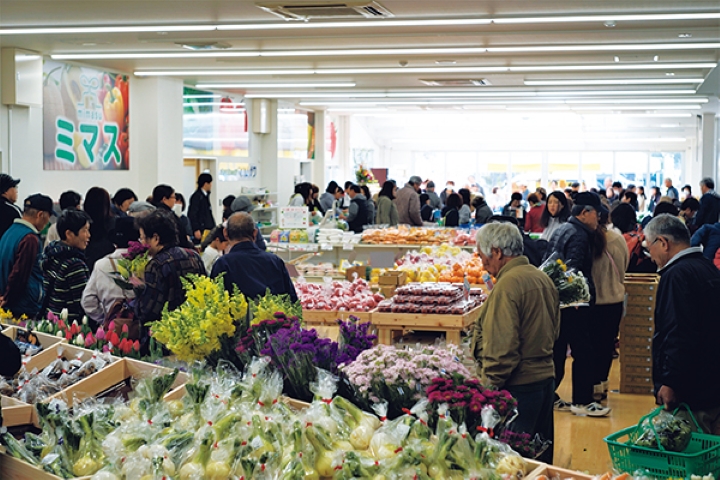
466, 398
269, 305
400, 376
256, 337
354, 339
7, 317
524, 443
130, 271
363, 175
572, 286
204, 323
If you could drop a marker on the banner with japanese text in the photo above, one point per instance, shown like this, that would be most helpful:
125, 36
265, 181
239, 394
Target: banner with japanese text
85, 118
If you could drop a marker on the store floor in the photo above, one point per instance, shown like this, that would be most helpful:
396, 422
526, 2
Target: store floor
579, 440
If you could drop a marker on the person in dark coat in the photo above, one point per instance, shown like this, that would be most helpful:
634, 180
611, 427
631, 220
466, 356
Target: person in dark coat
572, 242
483, 212
709, 211
200, 210
8, 197
163, 197
684, 348
97, 206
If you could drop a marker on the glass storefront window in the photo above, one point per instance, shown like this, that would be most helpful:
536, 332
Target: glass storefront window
563, 170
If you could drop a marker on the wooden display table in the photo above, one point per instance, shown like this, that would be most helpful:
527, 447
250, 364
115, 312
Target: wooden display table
330, 317
451, 325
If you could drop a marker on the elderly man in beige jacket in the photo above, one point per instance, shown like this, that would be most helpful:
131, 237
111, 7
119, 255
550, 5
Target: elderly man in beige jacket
407, 201
518, 325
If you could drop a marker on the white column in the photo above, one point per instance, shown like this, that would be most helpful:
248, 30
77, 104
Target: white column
709, 146
156, 131
318, 170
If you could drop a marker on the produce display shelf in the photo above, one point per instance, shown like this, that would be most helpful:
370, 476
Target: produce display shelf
451, 325
46, 341
15, 412
330, 317
552, 472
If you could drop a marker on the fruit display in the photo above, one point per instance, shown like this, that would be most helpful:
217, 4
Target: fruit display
404, 235
435, 264
343, 296
443, 299
319, 270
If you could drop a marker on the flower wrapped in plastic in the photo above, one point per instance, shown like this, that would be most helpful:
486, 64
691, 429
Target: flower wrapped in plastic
572, 286
130, 269
205, 323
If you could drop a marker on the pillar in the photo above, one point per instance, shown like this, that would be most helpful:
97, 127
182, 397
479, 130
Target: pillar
709, 133
318, 170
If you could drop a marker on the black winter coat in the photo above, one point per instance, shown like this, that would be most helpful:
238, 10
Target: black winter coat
687, 330
200, 212
572, 242
709, 211
8, 213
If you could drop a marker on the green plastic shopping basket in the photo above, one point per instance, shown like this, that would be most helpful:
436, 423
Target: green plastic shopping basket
701, 457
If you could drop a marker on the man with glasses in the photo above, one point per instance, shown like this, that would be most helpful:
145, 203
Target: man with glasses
572, 242
685, 365
21, 278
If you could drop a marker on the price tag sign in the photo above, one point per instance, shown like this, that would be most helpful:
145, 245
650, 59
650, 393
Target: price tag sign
466, 288
348, 246
326, 247
293, 217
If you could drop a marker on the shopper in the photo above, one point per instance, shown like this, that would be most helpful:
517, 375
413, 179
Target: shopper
301, 195
213, 246
630, 198
10, 358
357, 215
407, 201
572, 243
97, 206
518, 326
164, 199
327, 199
449, 188
227, 206
435, 201
243, 204
247, 267
465, 212
65, 273
532, 221
688, 211
483, 212
642, 199
69, 199
140, 209
451, 212
200, 211
426, 211
121, 202
8, 197
707, 236
515, 209
684, 347
371, 207
671, 191
179, 211
169, 263
21, 278
610, 261
101, 292
655, 197
686, 192
709, 211
387, 213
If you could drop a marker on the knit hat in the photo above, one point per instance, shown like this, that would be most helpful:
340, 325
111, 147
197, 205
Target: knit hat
242, 204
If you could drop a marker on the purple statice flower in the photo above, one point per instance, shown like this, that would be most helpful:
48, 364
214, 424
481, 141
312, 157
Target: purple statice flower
135, 249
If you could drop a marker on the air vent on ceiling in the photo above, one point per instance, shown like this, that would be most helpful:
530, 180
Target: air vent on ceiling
480, 82
308, 10
205, 45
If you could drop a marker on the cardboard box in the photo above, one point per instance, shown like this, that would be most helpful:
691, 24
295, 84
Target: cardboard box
388, 291
393, 277
360, 271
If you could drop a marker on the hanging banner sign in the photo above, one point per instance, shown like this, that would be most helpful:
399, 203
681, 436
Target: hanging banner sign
85, 118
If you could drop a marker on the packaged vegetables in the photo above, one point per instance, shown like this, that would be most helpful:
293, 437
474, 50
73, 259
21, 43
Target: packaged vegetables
343, 296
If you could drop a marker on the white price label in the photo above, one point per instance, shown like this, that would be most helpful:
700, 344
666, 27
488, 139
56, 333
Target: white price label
326, 247
348, 246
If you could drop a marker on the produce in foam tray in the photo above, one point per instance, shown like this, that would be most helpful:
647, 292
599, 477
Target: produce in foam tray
343, 296
439, 264
404, 235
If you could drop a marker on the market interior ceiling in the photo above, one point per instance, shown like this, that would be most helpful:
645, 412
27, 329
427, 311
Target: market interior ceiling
639, 57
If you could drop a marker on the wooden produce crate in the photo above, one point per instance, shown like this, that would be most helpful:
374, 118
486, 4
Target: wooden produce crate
113, 375
638, 320
451, 325
15, 412
635, 360
330, 317
46, 341
14, 469
551, 472
44, 358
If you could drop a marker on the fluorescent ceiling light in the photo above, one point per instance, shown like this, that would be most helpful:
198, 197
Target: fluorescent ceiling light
622, 106
614, 81
359, 110
214, 104
639, 100
637, 107
381, 51
107, 29
276, 85
610, 18
407, 70
357, 24
202, 96
436, 94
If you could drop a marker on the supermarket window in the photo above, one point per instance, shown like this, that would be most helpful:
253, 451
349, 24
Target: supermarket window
665, 165
526, 172
563, 169
494, 172
598, 169
631, 168
213, 125
459, 166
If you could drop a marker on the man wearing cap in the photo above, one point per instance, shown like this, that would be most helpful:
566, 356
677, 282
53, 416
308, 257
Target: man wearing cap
243, 204
407, 201
8, 197
21, 278
435, 201
572, 242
